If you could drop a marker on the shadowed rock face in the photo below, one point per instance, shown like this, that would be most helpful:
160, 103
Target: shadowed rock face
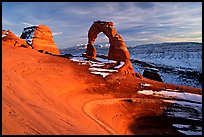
10, 39
118, 50
152, 74
40, 38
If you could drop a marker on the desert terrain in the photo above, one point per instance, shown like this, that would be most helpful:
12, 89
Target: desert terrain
46, 94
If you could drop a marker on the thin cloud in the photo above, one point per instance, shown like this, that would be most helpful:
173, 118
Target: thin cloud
133, 21
6, 22
57, 33
27, 24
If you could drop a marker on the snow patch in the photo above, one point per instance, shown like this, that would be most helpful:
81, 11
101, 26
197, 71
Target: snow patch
120, 65
76, 60
29, 32
4, 35
181, 126
103, 70
180, 112
145, 85
104, 74
190, 108
188, 132
95, 66
178, 95
106, 60
146, 92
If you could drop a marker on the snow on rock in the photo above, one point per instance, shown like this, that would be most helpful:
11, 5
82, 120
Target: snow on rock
103, 74
178, 63
120, 65
173, 94
29, 37
179, 55
40, 38
188, 108
10, 39
27, 34
106, 61
4, 33
95, 66
179, 111
103, 70
145, 85
189, 132
186, 131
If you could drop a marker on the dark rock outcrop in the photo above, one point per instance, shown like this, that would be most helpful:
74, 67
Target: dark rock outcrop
40, 38
152, 73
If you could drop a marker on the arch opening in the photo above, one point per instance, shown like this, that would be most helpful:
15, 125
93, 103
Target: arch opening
102, 44
117, 50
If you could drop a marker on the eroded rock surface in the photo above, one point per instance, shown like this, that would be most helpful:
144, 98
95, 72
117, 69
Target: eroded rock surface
118, 50
40, 38
10, 39
3, 32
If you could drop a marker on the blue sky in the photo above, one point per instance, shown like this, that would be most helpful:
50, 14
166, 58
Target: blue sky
137, 22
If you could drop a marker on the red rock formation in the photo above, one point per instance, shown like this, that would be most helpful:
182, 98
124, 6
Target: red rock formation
40, 38
118, 50
90, 53
10, 39
3, 32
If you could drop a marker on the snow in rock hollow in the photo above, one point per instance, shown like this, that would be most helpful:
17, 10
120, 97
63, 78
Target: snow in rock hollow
95, 66
29, 32
4, 35
120, 65
173, 94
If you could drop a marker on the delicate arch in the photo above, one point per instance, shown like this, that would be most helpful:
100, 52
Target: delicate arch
117, 51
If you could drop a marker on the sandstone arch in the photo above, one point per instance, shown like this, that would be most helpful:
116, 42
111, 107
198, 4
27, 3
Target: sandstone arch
117, 51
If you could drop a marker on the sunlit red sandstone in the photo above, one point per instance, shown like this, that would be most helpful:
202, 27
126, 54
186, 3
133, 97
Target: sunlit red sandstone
10, 39
118, 50
44, 94
42, 38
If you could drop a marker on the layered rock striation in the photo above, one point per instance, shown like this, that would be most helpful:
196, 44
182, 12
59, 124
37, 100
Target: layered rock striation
40, 38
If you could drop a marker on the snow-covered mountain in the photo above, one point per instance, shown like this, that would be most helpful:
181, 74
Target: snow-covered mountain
179, 63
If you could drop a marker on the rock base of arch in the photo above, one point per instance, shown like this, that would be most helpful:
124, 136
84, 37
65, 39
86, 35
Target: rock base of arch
117, 51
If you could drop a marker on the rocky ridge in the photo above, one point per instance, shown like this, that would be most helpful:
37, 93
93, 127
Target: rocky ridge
10, 39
